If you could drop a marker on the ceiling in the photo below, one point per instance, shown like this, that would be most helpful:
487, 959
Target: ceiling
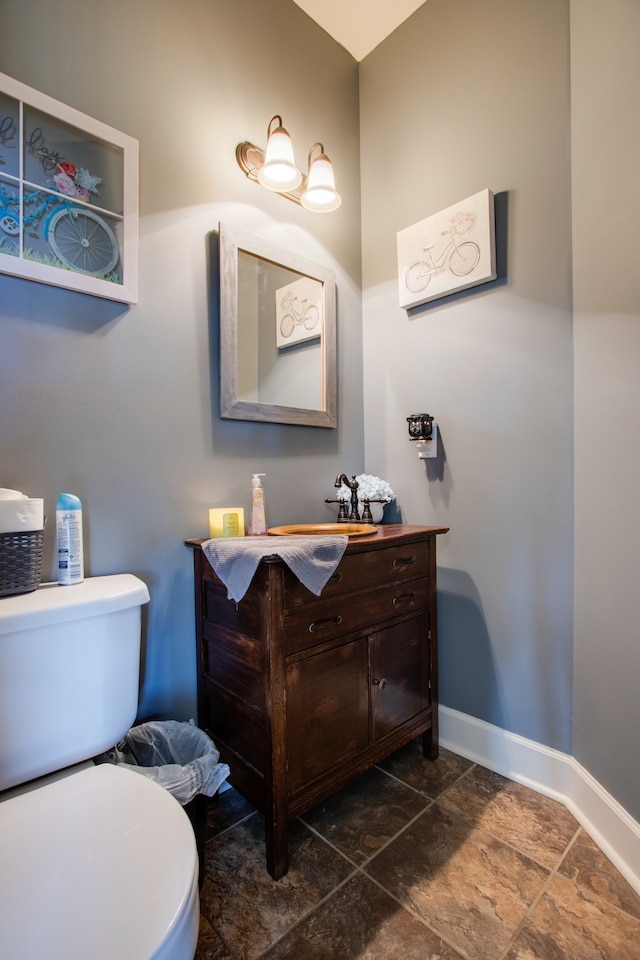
359, 25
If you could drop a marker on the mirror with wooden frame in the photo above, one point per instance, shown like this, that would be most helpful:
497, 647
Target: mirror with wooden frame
277, 334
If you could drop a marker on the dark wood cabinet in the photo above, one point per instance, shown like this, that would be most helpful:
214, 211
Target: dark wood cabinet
302, 693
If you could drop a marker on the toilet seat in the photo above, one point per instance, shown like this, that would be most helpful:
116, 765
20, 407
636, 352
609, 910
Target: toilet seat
100, 864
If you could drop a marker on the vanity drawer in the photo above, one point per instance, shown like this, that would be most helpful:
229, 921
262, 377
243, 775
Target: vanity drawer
327, 620
362, 571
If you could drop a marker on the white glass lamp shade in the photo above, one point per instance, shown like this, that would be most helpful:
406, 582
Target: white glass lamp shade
279, 172
320, 195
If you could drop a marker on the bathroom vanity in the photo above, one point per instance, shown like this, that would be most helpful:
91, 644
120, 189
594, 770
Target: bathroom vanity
303, 693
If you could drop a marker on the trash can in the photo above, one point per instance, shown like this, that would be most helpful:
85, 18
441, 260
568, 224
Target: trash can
181, 758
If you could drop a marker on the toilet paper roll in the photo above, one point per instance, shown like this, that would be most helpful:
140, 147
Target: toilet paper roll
18, 516
6, 494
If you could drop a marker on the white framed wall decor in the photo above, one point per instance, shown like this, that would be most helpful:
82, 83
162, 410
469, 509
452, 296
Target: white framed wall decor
68, 196
449, 251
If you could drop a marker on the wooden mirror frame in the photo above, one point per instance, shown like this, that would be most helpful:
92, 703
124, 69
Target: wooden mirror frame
231, 242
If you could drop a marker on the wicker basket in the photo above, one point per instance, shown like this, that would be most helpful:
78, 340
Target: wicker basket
20, 562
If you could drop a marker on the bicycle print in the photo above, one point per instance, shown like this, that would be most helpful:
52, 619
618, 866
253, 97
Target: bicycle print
459, 256
80, 239
298, 312
461, 253
306, 315
64, 234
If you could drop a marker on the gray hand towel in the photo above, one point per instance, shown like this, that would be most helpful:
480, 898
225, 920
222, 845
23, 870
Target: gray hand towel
312, 559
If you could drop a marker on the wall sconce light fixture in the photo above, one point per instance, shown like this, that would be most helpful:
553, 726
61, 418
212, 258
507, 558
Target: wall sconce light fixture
276, 170
279, 171
320, 194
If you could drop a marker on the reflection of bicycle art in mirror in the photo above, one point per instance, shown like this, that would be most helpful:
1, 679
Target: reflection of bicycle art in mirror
298, 306
450, 251
68, 196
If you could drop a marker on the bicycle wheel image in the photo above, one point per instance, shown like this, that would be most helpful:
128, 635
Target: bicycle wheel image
10, 225
287, 326
311, 317
464, 258
83, 241
417, 277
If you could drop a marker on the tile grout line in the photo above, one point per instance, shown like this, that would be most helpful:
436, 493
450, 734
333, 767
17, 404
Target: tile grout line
521, 852
314, 908
536, 900
359, 868
233, 953
398, 833
429, 802
446, 789
433, 801
603, 900
232, 826
457, 949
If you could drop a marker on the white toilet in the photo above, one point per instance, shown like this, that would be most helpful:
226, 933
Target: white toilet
97, 861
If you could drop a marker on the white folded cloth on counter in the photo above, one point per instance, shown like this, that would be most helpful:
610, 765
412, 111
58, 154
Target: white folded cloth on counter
312, 559
20, 514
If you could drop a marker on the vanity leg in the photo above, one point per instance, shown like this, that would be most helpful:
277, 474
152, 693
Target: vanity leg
430, 745
277, 844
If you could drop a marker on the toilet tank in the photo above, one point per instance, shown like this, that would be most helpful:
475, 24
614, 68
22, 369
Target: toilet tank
69, 673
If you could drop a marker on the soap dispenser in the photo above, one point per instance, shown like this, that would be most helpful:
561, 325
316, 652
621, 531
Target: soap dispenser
258, 518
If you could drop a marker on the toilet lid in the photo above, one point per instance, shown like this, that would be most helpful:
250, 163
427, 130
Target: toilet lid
101, 864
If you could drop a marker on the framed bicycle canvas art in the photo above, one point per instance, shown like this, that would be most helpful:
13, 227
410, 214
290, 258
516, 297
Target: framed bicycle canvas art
68, 196
298, 307
449, 251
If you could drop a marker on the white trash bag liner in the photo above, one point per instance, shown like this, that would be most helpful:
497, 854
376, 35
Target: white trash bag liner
179, 756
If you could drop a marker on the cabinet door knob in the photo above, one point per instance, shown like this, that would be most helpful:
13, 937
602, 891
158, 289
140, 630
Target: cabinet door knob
380, 683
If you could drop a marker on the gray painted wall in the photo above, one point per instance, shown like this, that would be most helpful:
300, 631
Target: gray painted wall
534, 101
605, 80
462, 97
119, 406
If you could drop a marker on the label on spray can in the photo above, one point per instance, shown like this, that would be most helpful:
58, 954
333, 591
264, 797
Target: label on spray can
69, 539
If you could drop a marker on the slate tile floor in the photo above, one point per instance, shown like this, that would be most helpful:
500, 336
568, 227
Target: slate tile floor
416, 861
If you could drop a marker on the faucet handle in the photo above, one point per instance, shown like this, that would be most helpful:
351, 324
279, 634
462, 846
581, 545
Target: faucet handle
342, 510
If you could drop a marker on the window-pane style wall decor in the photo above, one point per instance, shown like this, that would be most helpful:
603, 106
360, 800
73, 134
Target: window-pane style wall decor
68, 196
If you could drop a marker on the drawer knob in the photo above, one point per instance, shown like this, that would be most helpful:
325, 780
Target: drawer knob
325, 624
380, 683
404, 561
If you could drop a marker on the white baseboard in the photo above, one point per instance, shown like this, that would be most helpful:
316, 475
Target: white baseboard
553, 774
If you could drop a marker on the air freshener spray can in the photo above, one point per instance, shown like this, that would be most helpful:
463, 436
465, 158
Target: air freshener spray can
69, 540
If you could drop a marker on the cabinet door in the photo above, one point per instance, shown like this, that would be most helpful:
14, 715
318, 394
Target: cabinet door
399, 674
327, 711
